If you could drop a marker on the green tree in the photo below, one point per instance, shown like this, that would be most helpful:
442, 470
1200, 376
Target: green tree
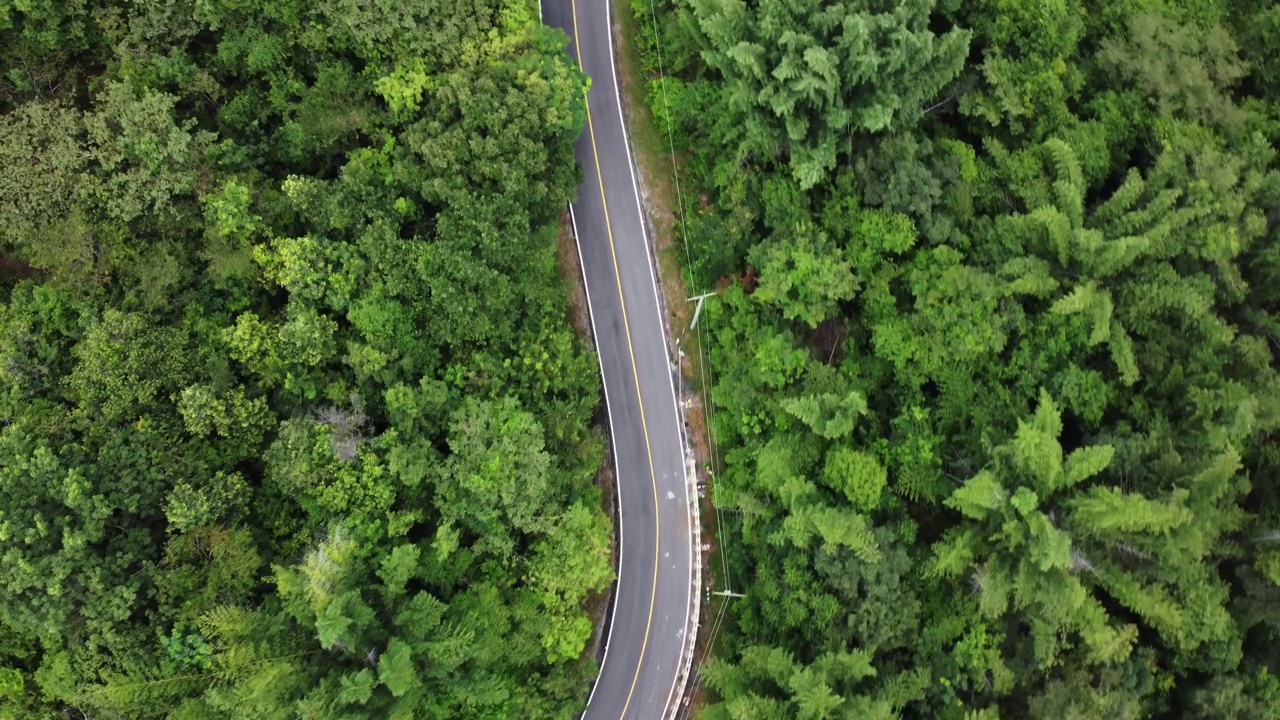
859, 475
498, 480
238, 336
125, 364
1028, 71
768, 683
570, 563
804, 276
802, 78
1183, 70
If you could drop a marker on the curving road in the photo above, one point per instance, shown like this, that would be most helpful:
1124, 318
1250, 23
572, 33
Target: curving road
645, 648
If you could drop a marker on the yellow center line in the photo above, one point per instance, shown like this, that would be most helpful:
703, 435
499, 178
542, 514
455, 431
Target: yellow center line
626, 326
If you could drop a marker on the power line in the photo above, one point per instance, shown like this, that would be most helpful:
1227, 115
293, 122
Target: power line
705, 372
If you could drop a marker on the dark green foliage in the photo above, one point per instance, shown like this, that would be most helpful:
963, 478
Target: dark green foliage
803, 77
292, 423
995, 373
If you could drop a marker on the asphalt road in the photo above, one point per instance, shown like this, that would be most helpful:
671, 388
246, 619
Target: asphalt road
654, 596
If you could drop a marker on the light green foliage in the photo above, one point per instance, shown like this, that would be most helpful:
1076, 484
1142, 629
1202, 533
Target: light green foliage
1030, 563
403, 88
309, 268
223, 497
498, 479
125, 362
954, 324
395, 668
829, 415
804, 276
1027, 69
1110, 510
228, 213
230, 228
1185, 71
231, 415
146, 156
1143, 219
859, 475
36, 194
283, 353
767, 682
569, 563
253, 344
11, 685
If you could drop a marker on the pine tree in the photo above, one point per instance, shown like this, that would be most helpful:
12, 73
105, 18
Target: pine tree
802, 77
1014, 549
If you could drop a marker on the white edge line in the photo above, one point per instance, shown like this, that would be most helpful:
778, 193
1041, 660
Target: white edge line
595, 339
689, 509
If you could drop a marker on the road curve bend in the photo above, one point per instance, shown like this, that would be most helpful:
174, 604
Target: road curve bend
646, 653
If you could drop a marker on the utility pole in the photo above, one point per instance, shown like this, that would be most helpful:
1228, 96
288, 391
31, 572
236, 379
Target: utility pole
728, 594
698, 310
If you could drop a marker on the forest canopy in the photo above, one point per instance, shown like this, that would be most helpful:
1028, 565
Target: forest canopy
293, 422
994, 347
